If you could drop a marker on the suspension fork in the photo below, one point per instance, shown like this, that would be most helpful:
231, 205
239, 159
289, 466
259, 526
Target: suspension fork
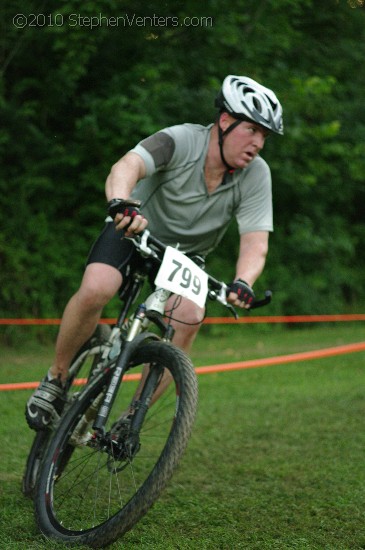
155, 305
120, 368
144, 400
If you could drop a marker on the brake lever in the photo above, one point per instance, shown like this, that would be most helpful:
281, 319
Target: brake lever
221, 297
233, 311
140, 241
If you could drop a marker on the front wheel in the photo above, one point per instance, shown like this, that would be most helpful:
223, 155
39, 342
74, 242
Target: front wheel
97, 492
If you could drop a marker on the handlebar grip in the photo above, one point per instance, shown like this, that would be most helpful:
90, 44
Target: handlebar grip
264, 301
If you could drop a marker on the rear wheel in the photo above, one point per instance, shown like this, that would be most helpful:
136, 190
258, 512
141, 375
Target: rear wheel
109, 481
81, 367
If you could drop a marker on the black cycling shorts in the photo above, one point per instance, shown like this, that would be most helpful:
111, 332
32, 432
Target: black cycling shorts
110, 249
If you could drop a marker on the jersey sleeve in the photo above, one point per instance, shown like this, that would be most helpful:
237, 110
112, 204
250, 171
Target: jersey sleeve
156, 151
168, 148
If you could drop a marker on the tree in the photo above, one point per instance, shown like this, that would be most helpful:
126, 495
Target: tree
80, 87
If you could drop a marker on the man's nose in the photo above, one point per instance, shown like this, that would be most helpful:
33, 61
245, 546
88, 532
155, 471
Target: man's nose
259, 140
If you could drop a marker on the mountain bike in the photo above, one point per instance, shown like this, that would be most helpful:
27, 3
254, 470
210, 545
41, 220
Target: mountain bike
117, 446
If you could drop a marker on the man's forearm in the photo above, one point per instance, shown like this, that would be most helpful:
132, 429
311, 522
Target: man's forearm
252, 256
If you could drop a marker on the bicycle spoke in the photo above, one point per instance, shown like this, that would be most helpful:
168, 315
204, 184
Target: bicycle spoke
119, 471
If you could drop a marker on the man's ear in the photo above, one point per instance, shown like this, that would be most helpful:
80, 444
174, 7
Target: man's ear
224, 121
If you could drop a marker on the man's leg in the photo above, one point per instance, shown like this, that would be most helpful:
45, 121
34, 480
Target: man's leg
190, 316
99, 284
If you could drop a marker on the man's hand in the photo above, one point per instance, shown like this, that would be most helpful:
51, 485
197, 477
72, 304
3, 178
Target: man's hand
127, 216
241, 294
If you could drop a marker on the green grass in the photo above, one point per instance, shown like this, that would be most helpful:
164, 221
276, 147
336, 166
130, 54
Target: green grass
276, 460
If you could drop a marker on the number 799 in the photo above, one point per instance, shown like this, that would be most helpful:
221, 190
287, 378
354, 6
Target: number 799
187, 279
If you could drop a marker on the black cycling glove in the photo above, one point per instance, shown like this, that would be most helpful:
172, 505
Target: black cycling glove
243, 290
125, 207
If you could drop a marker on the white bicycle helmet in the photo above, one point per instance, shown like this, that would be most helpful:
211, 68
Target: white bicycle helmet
245, 99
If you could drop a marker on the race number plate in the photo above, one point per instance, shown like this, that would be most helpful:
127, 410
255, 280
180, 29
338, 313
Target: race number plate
182, 276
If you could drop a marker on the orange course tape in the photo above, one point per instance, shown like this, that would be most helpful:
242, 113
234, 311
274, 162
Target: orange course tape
283, 359
253, 363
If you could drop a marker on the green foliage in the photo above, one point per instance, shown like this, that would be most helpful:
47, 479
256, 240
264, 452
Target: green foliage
74, 98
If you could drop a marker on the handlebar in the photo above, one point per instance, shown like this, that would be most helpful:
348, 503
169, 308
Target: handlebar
149, 246
146, 243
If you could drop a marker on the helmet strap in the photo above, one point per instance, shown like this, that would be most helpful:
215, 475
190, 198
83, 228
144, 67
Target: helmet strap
221, 135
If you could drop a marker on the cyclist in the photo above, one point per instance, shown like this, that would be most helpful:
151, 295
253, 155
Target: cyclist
192, 180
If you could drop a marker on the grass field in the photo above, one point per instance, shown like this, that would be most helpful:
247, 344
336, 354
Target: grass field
276, 460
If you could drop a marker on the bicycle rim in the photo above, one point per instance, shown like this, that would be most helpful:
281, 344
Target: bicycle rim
92, 491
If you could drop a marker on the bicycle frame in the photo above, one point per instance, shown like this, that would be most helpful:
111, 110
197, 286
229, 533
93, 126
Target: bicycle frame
135, 330
128, 335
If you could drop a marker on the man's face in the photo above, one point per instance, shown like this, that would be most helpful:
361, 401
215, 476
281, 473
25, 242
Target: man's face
243, 143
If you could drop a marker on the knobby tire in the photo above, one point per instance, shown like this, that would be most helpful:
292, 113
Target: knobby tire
100, 490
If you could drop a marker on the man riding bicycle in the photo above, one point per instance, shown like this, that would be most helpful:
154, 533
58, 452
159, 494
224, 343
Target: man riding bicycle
191, 181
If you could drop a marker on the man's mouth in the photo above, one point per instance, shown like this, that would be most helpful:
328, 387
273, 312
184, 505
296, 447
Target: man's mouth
248, 156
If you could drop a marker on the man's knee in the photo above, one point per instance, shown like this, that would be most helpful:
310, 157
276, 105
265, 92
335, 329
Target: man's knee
190, 315
187, 322
99, 285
